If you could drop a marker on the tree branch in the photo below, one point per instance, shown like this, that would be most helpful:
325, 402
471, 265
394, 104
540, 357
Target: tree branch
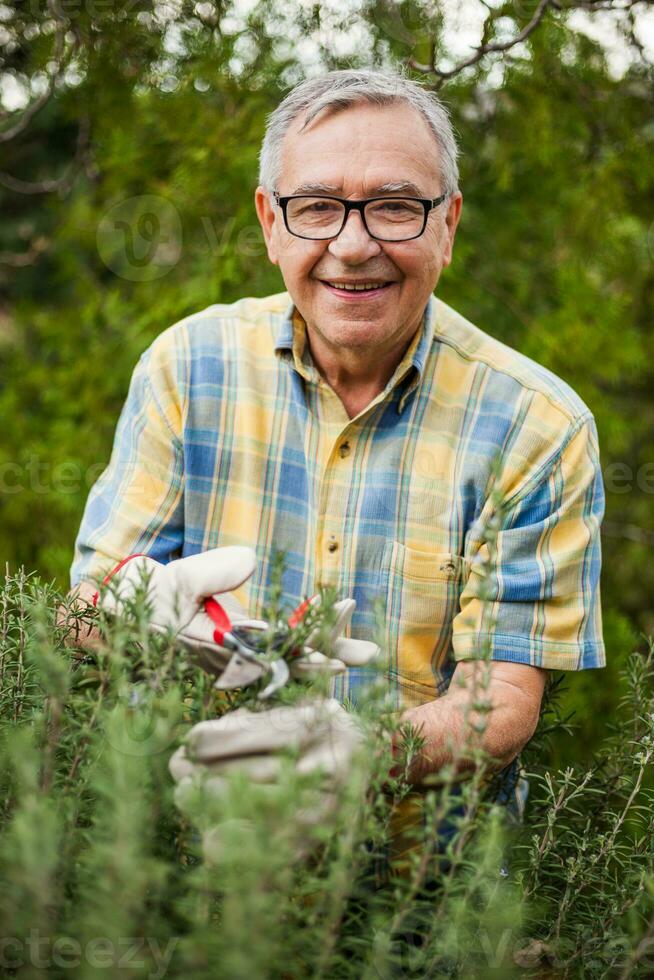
61, 57
485, 47
493, 47
65, 181
20, 260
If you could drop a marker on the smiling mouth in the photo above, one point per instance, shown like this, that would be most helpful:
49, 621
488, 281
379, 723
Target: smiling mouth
357, 288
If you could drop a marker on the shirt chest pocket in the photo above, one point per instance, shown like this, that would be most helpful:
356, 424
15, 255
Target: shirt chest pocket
422, 598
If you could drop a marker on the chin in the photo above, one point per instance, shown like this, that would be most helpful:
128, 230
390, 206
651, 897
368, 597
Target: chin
355, 334
351, 327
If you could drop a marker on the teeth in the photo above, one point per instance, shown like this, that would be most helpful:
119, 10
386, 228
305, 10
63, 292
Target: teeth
358, 287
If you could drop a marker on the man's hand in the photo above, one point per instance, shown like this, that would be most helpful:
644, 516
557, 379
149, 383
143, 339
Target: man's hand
342, 651
177, 593
513, 692
80, 633
193, 598
319, 733
314, 737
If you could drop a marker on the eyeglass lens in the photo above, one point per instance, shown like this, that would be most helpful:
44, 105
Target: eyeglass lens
393, 219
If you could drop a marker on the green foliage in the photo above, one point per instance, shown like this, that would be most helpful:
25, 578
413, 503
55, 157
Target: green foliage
554, 257
99, 870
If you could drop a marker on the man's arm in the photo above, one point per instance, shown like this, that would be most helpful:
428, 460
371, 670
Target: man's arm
542, 576
513, 690
533, 593
136, 506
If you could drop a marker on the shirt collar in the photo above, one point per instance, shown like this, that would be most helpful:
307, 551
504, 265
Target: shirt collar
291, 342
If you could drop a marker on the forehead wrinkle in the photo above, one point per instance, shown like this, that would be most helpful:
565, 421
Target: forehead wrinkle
390, 187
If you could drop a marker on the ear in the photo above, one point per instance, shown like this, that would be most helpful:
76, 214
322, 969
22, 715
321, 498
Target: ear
451, 222
267, 215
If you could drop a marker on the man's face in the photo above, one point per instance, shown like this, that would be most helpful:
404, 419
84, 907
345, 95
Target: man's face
353, 153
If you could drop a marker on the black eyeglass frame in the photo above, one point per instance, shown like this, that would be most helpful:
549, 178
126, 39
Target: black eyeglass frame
428, 205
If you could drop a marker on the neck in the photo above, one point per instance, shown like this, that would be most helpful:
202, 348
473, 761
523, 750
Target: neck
357, 377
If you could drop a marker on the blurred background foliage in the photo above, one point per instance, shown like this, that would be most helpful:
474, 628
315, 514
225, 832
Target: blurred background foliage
126, 203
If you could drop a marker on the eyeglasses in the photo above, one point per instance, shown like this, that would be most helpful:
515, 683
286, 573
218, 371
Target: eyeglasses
387, 219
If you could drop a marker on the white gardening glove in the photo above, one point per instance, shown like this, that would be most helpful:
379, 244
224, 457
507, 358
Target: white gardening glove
343, 651
319, 736
177, 593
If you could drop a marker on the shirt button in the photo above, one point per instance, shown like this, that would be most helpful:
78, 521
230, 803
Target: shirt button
344, 449
332, 545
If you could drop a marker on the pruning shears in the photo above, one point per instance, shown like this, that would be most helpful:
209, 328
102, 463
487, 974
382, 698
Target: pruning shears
246, 643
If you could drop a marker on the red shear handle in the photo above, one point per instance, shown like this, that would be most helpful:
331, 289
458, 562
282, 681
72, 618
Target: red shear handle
110, 575
223, 624
217, 614
298, 614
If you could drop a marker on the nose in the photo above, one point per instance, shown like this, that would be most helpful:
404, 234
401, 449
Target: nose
354, 244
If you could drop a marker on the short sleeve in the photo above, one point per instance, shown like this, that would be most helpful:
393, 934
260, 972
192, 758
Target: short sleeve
136, 505
544, 580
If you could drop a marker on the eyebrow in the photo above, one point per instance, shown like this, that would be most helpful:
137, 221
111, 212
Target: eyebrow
392, 187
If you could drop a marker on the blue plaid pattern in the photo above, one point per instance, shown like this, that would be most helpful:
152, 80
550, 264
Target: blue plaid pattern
230, 436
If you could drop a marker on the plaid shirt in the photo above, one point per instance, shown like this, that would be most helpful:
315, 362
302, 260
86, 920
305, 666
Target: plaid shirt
229, 435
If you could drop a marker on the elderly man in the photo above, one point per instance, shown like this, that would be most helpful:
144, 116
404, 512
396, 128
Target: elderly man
354, 420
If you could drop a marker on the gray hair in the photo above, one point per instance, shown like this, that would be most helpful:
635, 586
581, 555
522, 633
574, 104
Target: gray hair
346, 87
